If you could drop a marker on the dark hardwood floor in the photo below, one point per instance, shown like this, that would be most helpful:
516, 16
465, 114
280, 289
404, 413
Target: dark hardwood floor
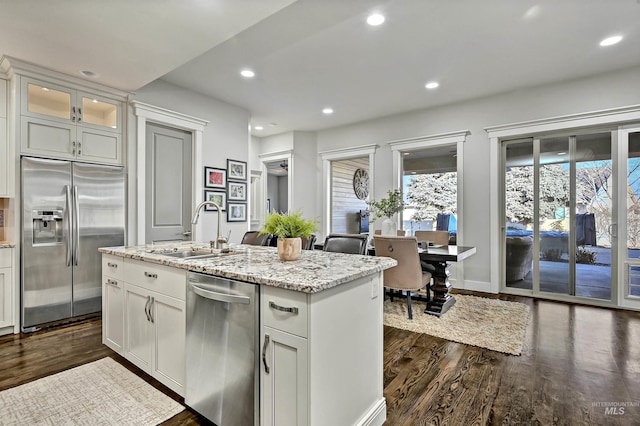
576, 360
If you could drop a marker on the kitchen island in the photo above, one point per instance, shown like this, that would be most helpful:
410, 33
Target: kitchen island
320, 325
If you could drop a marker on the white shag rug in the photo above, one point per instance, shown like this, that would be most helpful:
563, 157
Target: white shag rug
99, 393
493, 324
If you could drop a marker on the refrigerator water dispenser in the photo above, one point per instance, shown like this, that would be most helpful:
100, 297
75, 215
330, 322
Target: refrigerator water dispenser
47, 227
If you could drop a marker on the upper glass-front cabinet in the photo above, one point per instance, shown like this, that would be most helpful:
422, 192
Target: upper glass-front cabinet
58, 103
45, 100
99, 113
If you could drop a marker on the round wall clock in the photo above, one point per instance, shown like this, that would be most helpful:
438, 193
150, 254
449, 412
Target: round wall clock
361, 183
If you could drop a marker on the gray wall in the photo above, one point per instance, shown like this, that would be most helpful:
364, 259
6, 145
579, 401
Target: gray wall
616, 89
226, 136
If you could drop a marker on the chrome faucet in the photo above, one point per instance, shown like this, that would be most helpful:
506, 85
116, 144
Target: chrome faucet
220, 240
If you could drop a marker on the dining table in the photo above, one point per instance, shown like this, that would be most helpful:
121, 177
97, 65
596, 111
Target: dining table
439, 257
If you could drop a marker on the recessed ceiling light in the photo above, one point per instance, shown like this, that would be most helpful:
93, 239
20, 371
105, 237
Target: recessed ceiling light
247, 73
609, 41
88, 73
375, 19
259, 128
327, 111
406, 153
432, 85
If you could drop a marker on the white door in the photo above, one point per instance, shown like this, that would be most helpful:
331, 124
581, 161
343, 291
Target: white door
169, 184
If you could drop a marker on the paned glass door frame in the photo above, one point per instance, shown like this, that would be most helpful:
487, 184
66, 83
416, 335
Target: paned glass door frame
614, 118
571, 162
626, 266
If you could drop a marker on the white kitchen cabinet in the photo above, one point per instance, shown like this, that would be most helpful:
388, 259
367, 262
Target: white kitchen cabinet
112, 303
60, 122
154, 321
6, 183
6, 288
284, 387
324, 347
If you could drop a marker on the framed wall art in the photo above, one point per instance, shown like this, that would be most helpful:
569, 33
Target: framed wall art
237, 191
218, 197
236, 170
215, 178
236, 212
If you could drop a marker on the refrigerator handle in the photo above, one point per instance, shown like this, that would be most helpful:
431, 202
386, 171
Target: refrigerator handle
76, 225
67, 219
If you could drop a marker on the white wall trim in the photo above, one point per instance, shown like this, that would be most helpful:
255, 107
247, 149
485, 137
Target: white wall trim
346, 153
456, 138
418, 142
269, 157
566, 122
145, 112
613, 117
342, 154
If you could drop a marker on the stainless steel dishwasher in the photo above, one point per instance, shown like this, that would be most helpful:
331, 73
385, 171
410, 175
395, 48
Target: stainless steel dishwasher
222, 337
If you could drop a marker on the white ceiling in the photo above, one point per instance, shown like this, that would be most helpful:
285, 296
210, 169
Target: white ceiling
310, 54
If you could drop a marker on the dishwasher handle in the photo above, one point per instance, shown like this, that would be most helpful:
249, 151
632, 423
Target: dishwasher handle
221, 297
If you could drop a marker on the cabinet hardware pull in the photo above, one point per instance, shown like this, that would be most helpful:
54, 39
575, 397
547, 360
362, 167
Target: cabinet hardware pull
112, 265
153, 300
73, 114
150, 275
264, 353
79, 114
146, 308
293, 310
112, 282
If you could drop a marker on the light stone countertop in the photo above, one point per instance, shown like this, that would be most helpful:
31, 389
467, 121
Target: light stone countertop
6, 244
314, 271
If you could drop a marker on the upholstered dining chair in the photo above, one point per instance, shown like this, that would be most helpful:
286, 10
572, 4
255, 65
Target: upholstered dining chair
436, 237
308, 243
346, 243
407, 275
399, 232
254, 238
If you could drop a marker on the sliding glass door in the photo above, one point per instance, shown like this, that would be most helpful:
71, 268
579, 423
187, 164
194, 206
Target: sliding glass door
558, 201
631, 213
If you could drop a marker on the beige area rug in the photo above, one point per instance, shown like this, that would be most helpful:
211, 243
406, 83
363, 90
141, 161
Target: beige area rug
100, 393
494, 324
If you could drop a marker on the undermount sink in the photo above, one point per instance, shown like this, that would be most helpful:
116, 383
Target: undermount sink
198, 254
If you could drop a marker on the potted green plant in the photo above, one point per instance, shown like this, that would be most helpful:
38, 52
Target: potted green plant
387, 207
290, 228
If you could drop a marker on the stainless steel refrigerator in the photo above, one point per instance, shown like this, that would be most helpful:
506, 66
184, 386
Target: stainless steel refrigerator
69, 210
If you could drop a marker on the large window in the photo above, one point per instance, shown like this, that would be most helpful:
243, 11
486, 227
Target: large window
430, 188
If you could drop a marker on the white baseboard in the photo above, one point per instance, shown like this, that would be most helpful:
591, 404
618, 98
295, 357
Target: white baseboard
482, 286
376, 415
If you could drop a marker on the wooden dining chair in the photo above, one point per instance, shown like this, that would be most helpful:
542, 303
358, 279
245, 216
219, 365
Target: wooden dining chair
436, 237
407, 275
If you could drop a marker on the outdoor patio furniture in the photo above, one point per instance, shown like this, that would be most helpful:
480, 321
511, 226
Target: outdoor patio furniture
519, 257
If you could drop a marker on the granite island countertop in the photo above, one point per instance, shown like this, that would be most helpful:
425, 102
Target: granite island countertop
313, 272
